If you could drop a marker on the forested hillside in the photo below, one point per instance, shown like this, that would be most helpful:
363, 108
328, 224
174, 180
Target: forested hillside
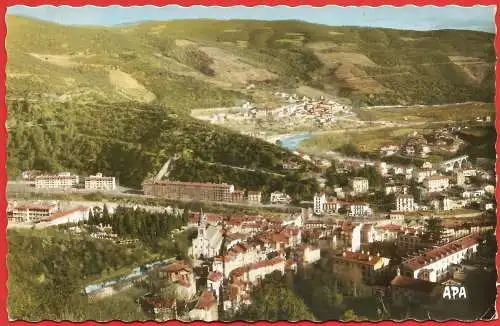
131, 141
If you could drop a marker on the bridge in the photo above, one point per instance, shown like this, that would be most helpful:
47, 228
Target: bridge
454, 163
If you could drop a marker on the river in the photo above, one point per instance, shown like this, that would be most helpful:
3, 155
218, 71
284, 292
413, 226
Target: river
292, 143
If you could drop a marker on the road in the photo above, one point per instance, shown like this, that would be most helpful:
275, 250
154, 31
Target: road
22, 188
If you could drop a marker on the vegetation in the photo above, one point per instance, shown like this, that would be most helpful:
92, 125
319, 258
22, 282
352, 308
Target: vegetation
176, 61
273, 301
132, 141
356, 143
459, 113
48, 270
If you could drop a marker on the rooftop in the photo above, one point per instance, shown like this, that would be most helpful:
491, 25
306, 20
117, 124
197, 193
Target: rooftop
414, 284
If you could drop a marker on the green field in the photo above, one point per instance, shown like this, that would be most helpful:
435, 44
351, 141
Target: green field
462, 112
366, 141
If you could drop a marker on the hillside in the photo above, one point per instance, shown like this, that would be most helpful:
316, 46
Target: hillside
131, 141
207, 63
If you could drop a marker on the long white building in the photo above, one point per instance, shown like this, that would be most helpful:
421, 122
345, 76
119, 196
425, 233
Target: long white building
433, 264
60, 181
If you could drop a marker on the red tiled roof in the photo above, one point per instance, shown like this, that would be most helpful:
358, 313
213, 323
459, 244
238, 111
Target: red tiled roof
176, 267
194, 184
359, 258
443, 251
414, 284
34, 207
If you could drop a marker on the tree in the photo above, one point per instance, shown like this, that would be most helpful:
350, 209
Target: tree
433, 230
106, 220
273, 301
349, 315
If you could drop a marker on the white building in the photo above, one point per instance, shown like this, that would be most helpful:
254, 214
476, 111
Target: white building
422, 174
61, 181
239, 256
322, 205
31, 213
360, 210
280, 198
436, 183
433, 264
310, 254
405, 203
209, 240
255, 272
359, 185
99, 182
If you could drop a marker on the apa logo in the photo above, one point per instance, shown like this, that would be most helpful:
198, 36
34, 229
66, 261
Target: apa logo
454, 292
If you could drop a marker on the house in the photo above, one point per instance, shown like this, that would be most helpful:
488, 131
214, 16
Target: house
420, 175
369, 266
258, 271
436, 183
182, 277
308, 254
206, 308
60, 181
163, 309
360, 209
254, 197
100, 182
31, 213
324, 205
368, 233
389, 150
407, 290
405, 203
359, 185
280, 198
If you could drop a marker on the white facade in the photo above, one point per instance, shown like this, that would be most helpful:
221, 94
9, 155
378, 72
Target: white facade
208, 242
258, 271
421, 175
99, 182
433, 265
360, 210
405, 203
436, 183
280, 198
311, 255
61, 181
31, 213
359, 185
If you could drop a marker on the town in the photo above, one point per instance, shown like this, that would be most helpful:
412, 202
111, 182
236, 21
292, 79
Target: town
436, 217
219, 165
